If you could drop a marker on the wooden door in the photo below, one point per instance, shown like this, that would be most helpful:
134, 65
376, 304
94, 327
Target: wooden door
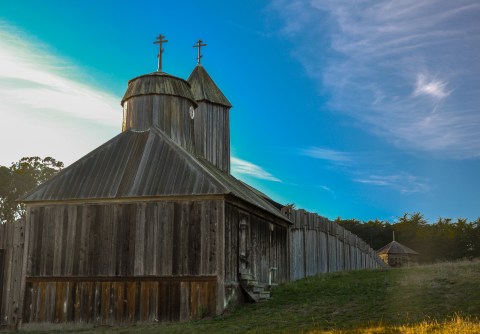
244, 245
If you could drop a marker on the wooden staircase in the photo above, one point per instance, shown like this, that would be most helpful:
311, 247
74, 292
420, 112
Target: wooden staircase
255, 291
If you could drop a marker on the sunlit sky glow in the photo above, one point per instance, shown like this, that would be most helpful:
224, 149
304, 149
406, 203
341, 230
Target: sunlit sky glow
359, 109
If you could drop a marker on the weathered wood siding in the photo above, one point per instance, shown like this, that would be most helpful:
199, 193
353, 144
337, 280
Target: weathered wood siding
206, 135
319, 245
212, 134
116, 300
96, 262
168, 113
12, 239
254, 245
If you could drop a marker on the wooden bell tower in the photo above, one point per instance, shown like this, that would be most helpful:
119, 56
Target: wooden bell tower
211, 117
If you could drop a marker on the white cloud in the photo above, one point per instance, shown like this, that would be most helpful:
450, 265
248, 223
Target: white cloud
44, 110
406, 70
362, 169
240, 166
327, 154
404, 183
430, 87
325, 188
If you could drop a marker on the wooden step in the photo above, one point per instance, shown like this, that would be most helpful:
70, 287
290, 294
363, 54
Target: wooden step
249, 282
260, 288
264, 295
254, 290
247, 276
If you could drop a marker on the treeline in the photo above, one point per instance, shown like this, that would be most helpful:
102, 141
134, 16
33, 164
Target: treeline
18, 179
446, 239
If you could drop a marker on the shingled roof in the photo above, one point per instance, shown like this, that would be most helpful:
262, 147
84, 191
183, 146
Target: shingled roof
395, 247
143, 164
204, 89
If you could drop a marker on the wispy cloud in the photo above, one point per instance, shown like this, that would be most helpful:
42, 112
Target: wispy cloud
430, 87
37, 79
325, 188
327, 154
42, 102
244, 167
407, 70
361, 168
404, 183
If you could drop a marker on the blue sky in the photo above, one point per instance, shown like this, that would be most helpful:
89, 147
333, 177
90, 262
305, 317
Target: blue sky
359, 109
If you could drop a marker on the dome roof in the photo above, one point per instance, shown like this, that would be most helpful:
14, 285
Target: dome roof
158, 83
395, 248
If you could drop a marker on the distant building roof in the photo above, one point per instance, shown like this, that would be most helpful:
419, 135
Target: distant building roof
204, 89
143, 164
395, 247
158, 83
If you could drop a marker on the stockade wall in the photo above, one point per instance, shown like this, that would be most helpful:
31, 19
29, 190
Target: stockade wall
12, 240
319, 245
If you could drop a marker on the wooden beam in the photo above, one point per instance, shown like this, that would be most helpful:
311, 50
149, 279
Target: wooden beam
33, 279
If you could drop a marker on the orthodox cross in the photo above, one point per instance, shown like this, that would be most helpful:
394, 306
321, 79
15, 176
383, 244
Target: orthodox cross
199, 46
160, 40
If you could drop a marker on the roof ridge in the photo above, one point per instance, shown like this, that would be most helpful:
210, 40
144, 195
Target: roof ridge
201, 162
186, 154
388, 247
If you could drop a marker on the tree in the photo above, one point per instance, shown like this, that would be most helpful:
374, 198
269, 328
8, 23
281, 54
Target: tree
444, 240
19, 179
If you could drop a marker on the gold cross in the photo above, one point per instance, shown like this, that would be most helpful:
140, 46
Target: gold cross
160, 40
199, 46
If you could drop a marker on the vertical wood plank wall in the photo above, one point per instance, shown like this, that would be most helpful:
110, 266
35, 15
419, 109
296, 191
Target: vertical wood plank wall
207, 134
212, 134
266, 247
12, 239
318, 245
114, 263
156, 261
168, 113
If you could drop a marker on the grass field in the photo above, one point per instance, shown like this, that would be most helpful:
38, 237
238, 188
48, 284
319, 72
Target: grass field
440, 298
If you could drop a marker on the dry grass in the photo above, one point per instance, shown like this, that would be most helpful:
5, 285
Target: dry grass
457, 325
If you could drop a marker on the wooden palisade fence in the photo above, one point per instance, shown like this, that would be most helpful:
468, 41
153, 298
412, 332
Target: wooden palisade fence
12, 267
319, 245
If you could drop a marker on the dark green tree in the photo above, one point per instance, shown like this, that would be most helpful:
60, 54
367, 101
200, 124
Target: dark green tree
20, 178
443, 240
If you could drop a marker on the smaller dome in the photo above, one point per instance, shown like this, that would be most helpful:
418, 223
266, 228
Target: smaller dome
395, 248
158, 83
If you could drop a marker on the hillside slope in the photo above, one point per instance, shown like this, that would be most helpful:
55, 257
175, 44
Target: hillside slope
349, 300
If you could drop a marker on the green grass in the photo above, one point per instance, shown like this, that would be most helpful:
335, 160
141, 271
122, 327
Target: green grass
370, 301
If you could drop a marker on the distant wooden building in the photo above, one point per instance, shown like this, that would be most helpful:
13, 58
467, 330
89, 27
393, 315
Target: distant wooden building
151, 226
397, 255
